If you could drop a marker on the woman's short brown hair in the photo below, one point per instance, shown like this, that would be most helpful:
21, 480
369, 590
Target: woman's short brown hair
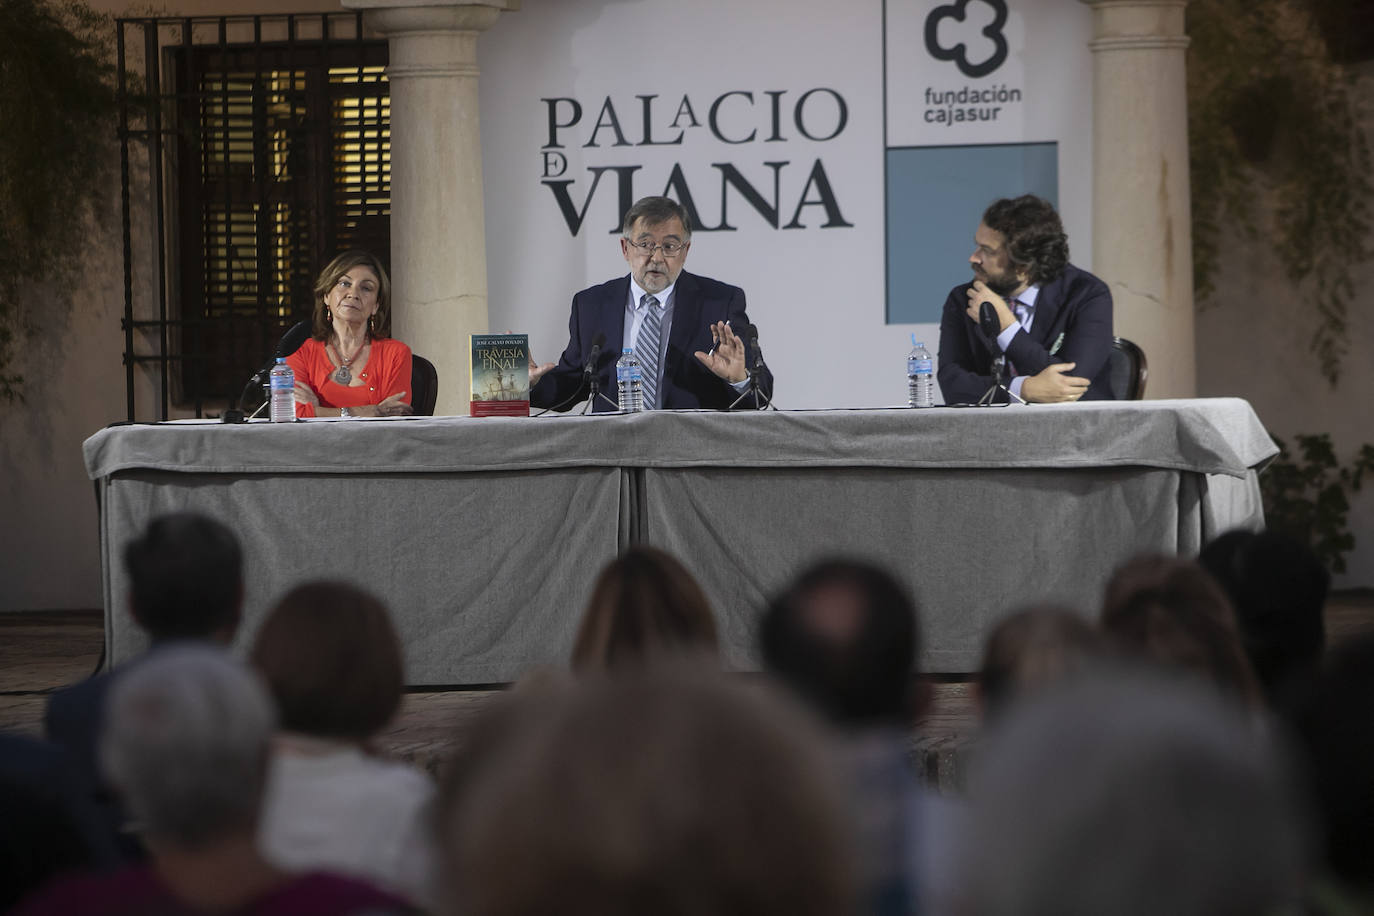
329, 277
1171, 612
645, 603
332, 661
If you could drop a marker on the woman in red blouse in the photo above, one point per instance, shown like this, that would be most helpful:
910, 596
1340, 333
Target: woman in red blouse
351, 367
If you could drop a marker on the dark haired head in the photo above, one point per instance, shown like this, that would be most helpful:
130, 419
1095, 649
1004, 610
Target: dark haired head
1034, 235
1278, 588
1031, 650
645, 605
332, 661
844, 637
329, 277
185, 578
655, 211
1170, 612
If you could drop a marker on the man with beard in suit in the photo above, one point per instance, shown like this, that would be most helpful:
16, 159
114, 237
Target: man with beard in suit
1054, 319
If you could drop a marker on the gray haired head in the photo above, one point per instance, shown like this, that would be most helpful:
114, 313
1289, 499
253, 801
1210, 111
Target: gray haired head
185, 743
1128, 795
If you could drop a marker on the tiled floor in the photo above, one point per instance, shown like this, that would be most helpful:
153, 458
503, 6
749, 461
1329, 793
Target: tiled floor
42, 651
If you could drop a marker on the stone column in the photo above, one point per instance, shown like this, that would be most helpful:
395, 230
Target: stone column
438, 227
1142, 234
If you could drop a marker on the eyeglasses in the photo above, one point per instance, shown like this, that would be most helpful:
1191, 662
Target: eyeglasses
670, 249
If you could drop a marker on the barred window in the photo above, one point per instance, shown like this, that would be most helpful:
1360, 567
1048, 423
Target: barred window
277, 158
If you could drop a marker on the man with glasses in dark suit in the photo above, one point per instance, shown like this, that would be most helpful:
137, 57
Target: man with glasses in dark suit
687, 331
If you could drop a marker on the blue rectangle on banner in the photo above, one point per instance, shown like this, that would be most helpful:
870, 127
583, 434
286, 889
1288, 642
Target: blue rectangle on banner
935, 195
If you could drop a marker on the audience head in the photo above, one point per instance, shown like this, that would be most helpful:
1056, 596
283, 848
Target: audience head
1278, 588
844, 637
645, 606
669, 789
380, 326
1168, 611
1131, 795
1034, 236
332, 661
1335, 728
185, 745
1032, 649
186, 578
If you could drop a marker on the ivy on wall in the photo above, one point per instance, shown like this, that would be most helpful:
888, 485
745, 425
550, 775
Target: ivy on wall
1277, 149
57, 128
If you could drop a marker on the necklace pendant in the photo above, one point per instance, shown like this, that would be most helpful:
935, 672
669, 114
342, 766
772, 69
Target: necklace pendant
342, 375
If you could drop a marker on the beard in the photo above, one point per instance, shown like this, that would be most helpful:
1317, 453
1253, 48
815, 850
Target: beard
1001, 284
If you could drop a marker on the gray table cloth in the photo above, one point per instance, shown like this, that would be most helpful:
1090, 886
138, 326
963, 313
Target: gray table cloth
484, 536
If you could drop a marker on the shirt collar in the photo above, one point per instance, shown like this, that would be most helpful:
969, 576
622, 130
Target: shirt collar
637, 294
1027, 297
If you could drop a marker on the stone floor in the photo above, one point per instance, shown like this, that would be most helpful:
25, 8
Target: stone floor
41, 651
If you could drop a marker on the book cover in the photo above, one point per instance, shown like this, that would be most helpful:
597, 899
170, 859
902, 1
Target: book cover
500, 371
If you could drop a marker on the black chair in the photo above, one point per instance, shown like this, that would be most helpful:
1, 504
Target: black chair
1128, 370
424, 385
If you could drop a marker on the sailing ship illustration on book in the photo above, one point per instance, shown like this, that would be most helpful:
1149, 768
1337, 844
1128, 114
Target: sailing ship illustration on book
500, 371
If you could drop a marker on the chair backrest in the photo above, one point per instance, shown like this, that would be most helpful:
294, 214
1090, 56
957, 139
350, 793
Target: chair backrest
1129, 370
424, 385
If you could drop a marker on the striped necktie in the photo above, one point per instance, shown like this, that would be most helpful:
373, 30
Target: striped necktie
647, 349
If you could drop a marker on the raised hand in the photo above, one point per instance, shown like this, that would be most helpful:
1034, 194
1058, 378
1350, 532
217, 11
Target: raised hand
726, 358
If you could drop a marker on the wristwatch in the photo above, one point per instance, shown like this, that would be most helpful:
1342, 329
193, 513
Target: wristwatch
345, 413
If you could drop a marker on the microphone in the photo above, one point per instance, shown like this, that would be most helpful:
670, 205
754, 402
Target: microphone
589, 365
751, 333
988, 321
292, 340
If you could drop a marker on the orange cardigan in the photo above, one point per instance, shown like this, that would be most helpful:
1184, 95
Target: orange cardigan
387, 372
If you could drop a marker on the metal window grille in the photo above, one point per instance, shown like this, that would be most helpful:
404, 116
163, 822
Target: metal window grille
266, 145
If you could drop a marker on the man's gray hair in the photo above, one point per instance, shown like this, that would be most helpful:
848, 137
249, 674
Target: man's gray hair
1128, 795
185, 743
655, 211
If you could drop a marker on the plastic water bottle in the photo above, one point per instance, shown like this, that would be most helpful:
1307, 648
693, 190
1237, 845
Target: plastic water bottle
629, 382
920, 378
283, 393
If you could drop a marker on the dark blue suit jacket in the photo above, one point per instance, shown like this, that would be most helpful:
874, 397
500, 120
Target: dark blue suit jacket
1075, 304
698, 303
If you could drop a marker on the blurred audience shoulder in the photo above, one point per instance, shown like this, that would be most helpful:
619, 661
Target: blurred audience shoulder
1278, 588
644, 607
1335, 735
1169, 612
1131, 794
1032, 649
332, 661
661, 789
185, 575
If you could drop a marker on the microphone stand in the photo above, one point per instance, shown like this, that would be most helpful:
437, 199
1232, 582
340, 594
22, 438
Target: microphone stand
235, 414
761, 401
589, 379
989, 398
594, 381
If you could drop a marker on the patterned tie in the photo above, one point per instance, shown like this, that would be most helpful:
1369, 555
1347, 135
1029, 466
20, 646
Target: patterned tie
1021, 311
647, 347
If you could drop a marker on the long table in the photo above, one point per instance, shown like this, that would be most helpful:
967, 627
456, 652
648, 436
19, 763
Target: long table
484, 536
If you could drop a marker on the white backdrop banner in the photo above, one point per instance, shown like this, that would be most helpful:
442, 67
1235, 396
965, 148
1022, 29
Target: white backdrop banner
834, 157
